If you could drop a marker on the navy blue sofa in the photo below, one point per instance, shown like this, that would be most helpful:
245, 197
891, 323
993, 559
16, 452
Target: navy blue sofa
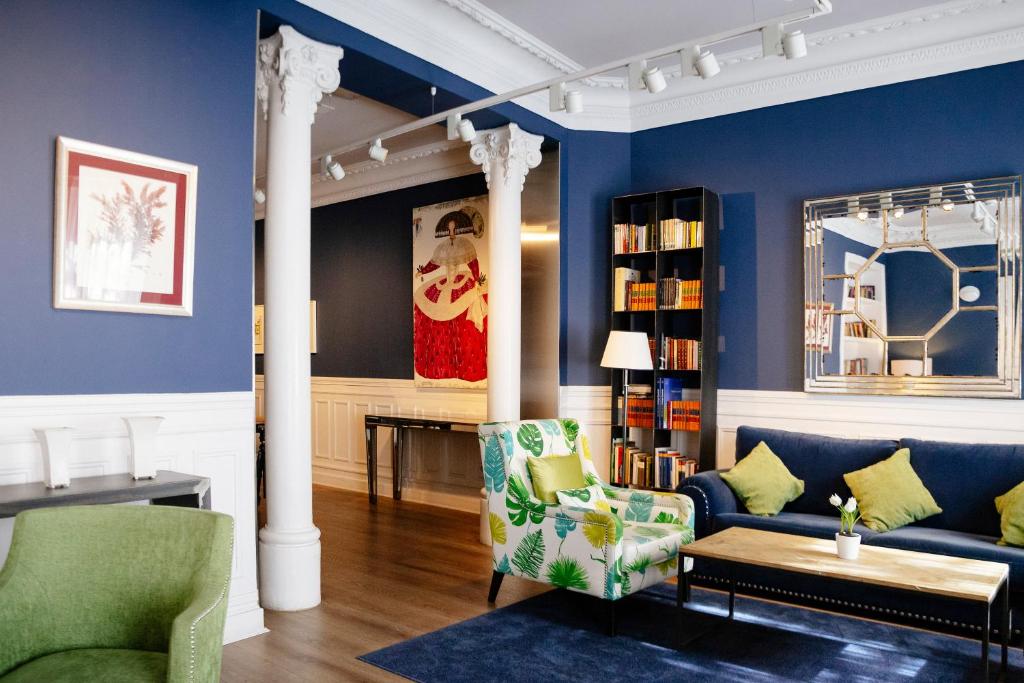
963, 478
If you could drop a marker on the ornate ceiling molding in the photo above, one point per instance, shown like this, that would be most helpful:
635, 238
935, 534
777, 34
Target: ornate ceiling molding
499, 56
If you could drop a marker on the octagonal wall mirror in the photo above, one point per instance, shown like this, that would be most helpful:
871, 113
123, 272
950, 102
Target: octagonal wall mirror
915, 291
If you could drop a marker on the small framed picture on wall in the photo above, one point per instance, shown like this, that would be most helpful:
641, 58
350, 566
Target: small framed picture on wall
124, 230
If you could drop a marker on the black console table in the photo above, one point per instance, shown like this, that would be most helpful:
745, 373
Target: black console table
168, 488
400, 424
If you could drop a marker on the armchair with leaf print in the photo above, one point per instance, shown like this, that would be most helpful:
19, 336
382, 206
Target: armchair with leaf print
609, 549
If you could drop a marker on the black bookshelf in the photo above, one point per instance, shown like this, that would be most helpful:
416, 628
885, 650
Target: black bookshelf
701, 324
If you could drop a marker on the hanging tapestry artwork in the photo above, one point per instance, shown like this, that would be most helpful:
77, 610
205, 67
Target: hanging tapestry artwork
450, 263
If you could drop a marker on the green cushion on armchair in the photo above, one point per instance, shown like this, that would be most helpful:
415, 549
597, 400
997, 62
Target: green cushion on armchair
115, 593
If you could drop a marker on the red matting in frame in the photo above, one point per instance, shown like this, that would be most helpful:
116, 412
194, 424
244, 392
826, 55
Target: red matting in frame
77, 159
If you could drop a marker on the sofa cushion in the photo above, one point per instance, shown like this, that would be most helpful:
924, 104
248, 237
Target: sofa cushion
798, 523
890, 494
819, 461
109, 666
762, 482
1010, 507
965, 479
954, 543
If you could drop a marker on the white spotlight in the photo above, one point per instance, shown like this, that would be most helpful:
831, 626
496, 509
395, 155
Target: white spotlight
466, 130
573, 102
969, 294
794, 45
329, 167
947, 205
377, 151
897, 211
654, 80
259, 195
862, 214
707, 65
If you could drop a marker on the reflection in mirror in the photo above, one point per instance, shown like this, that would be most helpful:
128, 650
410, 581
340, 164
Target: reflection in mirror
915, 290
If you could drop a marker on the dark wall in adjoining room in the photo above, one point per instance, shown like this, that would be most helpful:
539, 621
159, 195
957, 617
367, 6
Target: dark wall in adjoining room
117, 73
361, 269
886, 137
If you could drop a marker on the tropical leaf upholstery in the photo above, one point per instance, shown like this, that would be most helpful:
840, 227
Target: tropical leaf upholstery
609, 554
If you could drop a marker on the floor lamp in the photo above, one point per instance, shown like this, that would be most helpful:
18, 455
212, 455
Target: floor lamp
626, 351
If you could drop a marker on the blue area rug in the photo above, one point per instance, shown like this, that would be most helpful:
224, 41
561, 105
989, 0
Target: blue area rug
559, 637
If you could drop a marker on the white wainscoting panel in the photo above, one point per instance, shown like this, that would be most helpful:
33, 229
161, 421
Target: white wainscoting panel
209, 434
592, 406
969, 420
440, 468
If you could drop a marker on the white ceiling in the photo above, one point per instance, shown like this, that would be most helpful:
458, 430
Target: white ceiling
593, 32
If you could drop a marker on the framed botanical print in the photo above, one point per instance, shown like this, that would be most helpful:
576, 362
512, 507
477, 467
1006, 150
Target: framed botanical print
818, 327
124, 230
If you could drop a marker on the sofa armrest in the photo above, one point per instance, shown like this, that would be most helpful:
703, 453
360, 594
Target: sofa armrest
711, 496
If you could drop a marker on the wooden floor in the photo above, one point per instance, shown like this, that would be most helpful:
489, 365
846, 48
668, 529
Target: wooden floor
389, 574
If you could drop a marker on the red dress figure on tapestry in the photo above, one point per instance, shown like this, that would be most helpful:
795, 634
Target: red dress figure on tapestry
450, 308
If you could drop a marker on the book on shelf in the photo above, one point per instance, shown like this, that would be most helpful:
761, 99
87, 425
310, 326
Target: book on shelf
641, 408
631, 238
664, 469
677, 408
675, 233
680, 354
858, 329
640, 296
855, 366
866, 292
623, 276
676, 294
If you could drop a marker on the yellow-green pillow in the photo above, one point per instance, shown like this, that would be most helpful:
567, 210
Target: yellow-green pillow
763, 482
1010, 506
890, 494
554, 473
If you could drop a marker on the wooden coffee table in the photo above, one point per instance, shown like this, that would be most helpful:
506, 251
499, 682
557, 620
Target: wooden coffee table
979, 583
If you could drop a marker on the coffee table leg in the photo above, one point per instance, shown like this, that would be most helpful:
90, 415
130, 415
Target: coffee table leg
371, 462
1005, 625
985, 634
732, 598
682, 585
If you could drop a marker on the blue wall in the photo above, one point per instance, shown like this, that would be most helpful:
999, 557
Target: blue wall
361, 273
120, 74
960, 126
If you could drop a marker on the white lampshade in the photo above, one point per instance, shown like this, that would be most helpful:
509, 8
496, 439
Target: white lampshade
627, 350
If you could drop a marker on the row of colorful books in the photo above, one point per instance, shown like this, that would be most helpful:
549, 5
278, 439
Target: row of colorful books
630, 238
665, 469
680, 354
675, 405
679, 234
858, 329
676, 294
641, 407
640, 296
855, 366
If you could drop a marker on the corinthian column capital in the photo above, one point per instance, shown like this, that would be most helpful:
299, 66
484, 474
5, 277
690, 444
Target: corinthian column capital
303, 69
507, 153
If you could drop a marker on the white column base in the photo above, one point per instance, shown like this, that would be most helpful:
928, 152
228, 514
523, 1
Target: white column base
289, 569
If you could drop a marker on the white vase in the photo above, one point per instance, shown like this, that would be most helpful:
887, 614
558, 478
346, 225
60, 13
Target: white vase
56, 447
142, 434
848, 547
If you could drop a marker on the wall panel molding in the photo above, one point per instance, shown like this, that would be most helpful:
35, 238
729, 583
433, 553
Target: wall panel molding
440, 469
210, 434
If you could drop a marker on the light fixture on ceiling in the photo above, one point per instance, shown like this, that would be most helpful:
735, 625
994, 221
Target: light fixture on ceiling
259, 195
560, 99
329, 168
467, 132
969, 294
897, 211
794, 45
378, 152
706, 64
978, 213
863, 213
947, 205
653, 79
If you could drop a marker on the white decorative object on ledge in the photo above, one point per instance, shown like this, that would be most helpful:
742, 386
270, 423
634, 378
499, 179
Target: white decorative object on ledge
142, 434
56, 447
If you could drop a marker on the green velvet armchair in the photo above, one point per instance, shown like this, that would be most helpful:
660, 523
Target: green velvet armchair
115, 593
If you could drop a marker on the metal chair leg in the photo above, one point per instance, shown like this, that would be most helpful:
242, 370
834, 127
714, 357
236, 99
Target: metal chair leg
496, 578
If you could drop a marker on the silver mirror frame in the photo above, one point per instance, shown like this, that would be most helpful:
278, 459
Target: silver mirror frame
1007, 192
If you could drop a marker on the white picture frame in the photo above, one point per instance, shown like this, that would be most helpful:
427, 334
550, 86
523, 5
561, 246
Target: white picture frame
124, 230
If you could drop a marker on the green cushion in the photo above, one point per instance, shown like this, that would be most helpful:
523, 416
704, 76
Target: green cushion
109, 666
554, 473
763, 482
890, 494
1011, 506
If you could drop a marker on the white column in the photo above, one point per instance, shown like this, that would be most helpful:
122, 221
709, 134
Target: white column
506, 155
293, 73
